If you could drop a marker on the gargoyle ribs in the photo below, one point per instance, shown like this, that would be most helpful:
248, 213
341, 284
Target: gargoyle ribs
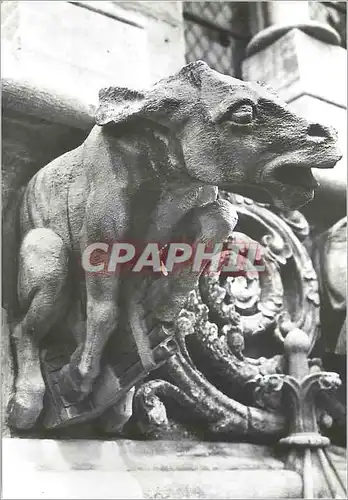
148, 171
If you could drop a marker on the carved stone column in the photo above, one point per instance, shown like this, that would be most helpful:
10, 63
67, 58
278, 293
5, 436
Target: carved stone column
277, 18
302, 60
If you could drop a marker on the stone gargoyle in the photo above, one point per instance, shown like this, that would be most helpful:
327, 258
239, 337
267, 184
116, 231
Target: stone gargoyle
148, 171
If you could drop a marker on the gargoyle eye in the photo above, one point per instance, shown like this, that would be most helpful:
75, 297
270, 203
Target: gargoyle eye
242, 114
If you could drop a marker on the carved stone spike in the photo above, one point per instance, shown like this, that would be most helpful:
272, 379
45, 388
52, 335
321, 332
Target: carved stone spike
302, 387
307, 448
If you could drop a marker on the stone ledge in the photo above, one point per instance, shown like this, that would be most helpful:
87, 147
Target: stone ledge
82, 54
38, 126
91, 469
35, 116
141, 469
77, 56
24, 98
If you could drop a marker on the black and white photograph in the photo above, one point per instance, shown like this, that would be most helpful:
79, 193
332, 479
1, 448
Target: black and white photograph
174, 250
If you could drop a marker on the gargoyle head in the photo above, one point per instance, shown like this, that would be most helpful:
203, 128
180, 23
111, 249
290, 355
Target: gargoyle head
232, 133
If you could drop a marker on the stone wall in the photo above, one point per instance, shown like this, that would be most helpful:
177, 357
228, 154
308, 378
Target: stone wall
75, 48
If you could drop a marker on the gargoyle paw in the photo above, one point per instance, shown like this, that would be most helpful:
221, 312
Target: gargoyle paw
72, 385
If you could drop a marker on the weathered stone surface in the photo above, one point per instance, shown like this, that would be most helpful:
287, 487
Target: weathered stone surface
53, 469
330, 258
130, 469
19, 97
7, 372
227, 322
82, 199
43, 52
37, 127
112, 45
163, 25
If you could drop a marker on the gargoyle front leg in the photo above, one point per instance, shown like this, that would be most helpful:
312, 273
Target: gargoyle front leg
211, 223
76, 378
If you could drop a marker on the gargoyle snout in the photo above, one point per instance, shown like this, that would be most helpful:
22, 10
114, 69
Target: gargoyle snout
320, 133
317, 135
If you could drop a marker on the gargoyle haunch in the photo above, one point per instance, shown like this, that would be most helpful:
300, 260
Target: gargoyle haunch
148, 171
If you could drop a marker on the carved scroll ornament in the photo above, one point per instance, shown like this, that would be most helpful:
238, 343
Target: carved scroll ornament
227, 321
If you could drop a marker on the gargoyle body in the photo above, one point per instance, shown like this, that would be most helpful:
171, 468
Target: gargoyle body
148, 172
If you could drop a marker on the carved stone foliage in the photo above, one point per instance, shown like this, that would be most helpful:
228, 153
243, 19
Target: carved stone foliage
228, 322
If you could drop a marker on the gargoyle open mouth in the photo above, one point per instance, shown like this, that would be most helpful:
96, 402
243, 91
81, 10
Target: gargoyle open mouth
296, 175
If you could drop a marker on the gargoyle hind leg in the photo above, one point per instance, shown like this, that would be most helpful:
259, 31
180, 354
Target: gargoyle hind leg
43, 264
77, 377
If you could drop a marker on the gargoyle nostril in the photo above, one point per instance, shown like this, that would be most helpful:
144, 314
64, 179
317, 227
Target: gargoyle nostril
316, 130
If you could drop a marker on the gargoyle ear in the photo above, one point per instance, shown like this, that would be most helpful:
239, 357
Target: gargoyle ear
193, 71
118, 105
159, 103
